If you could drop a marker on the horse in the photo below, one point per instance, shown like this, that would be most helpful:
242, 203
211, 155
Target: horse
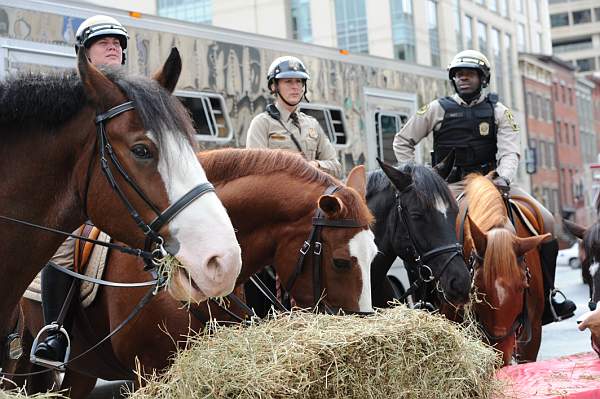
271, 197
116, 150
507, 270
589, 255
415, 217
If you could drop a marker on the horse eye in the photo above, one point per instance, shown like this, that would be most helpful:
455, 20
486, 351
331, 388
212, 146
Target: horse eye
342, 263
416, 216
141, 151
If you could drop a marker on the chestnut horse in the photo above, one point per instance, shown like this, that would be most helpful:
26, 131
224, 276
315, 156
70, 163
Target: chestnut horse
271, 197
507, 271
415, 218
116, 150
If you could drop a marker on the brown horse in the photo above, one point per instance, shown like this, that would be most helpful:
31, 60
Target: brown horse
507, 271
116, 150
271, 197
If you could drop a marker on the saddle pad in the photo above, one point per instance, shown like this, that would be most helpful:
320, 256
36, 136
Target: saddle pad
95, 269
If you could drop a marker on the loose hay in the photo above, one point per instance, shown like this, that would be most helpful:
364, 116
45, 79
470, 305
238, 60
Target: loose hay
396, 353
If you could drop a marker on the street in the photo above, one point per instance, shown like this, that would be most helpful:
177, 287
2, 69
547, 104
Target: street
559, 339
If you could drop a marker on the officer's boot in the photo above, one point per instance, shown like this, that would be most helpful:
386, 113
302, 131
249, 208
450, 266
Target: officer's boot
553, 310
55, 290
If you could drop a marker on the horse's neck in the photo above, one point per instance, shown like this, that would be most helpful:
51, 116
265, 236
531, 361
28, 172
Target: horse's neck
38, 186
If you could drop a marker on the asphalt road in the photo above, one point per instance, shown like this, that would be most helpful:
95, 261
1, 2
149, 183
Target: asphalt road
563, 338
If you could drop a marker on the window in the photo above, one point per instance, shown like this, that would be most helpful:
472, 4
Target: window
403, 29
457, 26
186, 10
511, 66
567, 138
574, 130
519, 5
387, 124
209, 113
535, 106
541, 153
434, 41
480, 2
482, 36
331, 120
498, 65
549, 108
469, 32
521, 46
351, 25
570, 96
597, 14
536, 43
561, 19
529, 104
301, 21
543, 109
582, 17
558, 135
493, 5
503, 8
535, 9
586, 64
564, 95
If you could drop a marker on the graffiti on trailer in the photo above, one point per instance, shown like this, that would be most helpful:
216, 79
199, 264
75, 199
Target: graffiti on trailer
238, 72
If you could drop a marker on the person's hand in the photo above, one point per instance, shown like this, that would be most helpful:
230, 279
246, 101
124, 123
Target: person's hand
592, 321
315, 164
502, 184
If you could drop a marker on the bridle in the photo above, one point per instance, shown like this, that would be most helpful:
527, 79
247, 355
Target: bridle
314, 241
151, 230
421, 258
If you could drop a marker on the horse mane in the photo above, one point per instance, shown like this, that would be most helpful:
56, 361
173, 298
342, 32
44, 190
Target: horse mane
427, 183
50, 100
487, 210
227, 164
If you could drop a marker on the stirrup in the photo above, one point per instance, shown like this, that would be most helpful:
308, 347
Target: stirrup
551, 295
52, 364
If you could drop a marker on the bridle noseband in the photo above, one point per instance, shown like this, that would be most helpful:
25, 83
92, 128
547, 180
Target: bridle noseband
314, 241
151, 230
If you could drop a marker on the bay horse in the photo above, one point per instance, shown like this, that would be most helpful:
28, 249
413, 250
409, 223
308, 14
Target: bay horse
415, 216
116, 150
507, 271
271, 197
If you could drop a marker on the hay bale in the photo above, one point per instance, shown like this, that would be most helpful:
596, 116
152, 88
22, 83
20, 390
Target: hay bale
20, 394
396, 353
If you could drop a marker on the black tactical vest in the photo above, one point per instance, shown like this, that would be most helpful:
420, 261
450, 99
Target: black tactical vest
470, 132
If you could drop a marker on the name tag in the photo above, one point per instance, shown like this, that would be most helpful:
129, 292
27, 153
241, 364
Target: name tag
278, 137
455, 114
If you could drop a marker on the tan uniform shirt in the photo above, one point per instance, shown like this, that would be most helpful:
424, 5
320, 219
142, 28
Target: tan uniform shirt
429, 119
267, 132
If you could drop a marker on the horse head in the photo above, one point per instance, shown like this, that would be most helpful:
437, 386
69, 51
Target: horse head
501, 275
147, 161
590, 237
337, 264
419, 227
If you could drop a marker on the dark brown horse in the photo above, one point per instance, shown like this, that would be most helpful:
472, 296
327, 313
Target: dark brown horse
271, 197
507, 271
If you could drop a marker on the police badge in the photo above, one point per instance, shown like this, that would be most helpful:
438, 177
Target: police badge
312, 133
484, 128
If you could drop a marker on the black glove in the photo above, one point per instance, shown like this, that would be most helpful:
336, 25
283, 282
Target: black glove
502, 183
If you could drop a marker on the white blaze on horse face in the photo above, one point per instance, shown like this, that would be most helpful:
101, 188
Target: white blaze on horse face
362, 247
202, 236
440, 205
594, 268
500, 293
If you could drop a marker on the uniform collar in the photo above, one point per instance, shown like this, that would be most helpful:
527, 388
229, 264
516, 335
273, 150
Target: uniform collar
462, 102
285, 114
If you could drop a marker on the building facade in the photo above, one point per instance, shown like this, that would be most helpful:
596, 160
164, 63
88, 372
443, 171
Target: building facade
576, 33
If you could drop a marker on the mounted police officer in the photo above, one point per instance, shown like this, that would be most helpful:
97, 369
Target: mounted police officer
104, 40
283, 127
485, 137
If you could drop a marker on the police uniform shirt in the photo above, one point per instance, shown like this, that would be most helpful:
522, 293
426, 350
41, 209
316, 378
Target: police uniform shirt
429, 119
267, 132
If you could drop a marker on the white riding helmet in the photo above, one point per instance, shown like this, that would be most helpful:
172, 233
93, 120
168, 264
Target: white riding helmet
287, 67
471, 59
99, 26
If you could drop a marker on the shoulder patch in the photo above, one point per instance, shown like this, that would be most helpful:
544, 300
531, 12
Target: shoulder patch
513, 124
423, 109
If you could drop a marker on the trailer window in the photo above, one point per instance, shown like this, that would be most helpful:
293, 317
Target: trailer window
387, 124
331, 120
209, 112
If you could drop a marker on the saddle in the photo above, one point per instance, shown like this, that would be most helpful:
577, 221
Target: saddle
89, 259
528, 213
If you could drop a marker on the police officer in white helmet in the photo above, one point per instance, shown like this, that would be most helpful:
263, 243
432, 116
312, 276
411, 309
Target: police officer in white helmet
484, 136
283, 127
104, 40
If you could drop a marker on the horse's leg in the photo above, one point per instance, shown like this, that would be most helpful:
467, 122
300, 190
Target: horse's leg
80, 385
528, 352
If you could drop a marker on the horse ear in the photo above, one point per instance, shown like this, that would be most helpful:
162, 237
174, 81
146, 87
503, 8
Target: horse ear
100, 90
575, 229
399, 179
444, 167
357, 179
168, 75
524, 245
478, 236
330, 204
